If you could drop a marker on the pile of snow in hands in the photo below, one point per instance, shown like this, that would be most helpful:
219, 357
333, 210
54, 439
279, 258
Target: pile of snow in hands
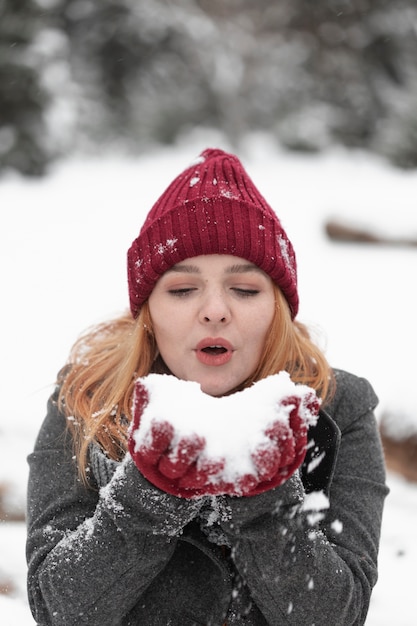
233, 426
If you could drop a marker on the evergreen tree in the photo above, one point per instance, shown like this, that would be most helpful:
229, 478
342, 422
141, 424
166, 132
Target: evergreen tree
83, 74
22, 98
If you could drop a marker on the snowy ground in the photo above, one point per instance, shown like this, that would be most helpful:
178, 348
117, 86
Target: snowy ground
63, 242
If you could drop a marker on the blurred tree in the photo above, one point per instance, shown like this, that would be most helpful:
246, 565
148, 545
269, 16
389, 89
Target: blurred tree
126, 73
22, 98
140, 67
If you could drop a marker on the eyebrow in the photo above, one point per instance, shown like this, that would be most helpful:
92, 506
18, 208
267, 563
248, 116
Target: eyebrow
241, 268
238, 268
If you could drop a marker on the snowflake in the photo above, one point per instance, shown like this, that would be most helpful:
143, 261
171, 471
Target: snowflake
283, 244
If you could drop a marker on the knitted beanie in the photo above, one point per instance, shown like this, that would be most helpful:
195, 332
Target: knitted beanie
213, 207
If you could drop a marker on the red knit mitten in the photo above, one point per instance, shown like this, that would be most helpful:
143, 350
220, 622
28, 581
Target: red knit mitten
237, 445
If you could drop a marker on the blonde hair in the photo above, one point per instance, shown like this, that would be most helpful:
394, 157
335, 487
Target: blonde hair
96, 385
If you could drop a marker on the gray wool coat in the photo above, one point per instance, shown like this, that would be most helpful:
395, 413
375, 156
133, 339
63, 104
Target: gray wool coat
125, 553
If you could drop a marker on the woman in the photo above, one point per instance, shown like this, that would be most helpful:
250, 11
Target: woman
132, 527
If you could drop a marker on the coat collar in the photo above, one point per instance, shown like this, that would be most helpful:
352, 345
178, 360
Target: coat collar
322, 448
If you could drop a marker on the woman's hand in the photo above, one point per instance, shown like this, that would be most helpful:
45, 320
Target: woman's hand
182, 463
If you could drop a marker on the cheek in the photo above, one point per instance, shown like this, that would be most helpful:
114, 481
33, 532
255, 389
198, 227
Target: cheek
262, 318
261, 327
159, 319
165, 335
169, 331
256, 332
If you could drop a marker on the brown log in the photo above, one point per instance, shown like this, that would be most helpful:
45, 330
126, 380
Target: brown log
401, 455
8, 514
349, 233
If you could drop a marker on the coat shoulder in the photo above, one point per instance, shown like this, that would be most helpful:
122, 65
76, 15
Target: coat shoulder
354, 397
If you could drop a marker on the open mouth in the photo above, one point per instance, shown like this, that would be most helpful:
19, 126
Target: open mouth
214, 350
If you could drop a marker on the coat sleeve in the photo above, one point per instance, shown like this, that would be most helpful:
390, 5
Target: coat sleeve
308, 567
91, 554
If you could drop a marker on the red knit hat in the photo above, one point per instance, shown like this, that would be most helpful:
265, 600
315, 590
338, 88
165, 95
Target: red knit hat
213, 207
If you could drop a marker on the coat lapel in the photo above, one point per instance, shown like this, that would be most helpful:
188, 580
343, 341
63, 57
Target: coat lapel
322, 448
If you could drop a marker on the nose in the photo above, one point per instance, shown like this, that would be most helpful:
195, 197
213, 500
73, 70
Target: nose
215, 309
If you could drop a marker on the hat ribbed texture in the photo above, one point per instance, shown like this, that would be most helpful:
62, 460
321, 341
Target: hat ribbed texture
213, 207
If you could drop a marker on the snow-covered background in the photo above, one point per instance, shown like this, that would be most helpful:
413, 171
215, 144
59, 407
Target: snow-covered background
63, 242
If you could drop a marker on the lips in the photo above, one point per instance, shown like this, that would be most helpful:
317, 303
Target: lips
214, 351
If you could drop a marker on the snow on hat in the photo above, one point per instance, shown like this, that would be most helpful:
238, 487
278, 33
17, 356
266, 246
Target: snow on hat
213, 207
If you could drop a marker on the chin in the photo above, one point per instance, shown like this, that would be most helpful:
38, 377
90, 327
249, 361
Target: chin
217, 389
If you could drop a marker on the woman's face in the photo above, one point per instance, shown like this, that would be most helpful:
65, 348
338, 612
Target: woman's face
211, 315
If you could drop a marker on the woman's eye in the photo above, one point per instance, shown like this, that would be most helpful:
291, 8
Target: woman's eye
181, 292
245, 293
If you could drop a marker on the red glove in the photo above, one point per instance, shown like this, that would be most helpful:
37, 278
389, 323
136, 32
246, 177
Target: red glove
180, 464
163, 464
